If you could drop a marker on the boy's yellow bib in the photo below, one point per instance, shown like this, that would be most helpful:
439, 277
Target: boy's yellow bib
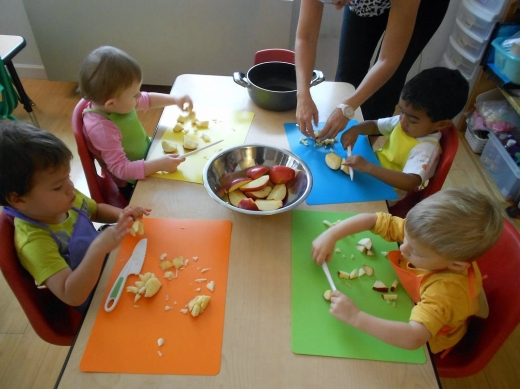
394, 153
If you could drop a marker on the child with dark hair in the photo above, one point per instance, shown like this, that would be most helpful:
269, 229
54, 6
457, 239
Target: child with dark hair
54, 237
410, 155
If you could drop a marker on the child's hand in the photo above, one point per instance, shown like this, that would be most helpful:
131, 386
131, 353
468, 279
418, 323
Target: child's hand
169, 163
357, 162
349, 137
112, 236
323, 248
343, 308
185, 103
136, 212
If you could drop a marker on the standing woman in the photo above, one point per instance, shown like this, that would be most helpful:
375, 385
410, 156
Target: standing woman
408, 25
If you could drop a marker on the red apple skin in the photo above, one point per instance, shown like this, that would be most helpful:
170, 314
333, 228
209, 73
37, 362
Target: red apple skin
255, 185
248, 204
257, 171
279, 174
237, 183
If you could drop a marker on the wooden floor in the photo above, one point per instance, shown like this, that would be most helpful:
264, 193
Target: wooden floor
28, 362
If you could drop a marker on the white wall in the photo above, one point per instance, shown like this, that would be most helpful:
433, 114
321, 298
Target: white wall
14, 21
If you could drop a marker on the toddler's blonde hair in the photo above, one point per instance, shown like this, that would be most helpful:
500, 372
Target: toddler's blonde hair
106, 72
458, 224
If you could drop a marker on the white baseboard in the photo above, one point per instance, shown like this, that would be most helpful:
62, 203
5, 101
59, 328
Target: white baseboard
31, 71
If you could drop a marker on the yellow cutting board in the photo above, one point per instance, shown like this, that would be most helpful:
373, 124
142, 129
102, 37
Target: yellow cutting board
231, 126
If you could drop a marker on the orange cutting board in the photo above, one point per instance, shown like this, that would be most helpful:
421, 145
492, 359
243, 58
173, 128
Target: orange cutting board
125, 340
230, 126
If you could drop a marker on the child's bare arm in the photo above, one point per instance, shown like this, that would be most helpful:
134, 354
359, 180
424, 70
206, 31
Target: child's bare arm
323, 245
410, 336
399, 180
168, 163
74, 286
159, 100
350, 136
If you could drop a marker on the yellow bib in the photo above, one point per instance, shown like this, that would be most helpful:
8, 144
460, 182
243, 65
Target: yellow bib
394, 153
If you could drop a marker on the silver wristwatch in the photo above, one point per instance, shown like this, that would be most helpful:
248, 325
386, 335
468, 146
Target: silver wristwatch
347, 110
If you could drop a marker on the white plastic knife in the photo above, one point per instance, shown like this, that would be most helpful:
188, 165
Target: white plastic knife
350, 170
197, 150
327, 274
133, 266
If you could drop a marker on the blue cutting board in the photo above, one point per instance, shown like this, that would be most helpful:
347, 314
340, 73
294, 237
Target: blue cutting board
334, 186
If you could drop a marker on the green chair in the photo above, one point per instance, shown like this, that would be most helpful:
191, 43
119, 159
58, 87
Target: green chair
9, 97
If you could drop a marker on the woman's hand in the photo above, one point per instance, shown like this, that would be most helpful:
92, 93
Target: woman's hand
306, 116
334, 125
343, 308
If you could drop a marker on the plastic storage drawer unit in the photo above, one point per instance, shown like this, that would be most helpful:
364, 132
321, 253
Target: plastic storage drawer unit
470, 42
508, 64
500, 165
461, 60
476, 19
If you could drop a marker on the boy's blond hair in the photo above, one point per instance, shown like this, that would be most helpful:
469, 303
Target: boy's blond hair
106, 72
458, 224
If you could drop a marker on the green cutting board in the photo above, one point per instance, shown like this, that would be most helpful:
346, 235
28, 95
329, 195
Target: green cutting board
314, 330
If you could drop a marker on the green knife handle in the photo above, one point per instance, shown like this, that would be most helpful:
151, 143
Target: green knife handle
115, 293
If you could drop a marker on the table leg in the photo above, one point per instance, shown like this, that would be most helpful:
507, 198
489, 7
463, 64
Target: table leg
26, 101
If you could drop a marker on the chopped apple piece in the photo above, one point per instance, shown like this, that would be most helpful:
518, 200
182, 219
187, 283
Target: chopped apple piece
163, 256
327, 295
198, 305
369, 270
254, 185
278, 193
137, 228
257, 171
205, 138
268, 205
168, 146
327, 223
337, 250
361, 272
165, 265
384, 253
280, 174
389, 296
370, 253
211, 285
333, 161
169, 275
137, 297
182, 118
260, 194
178, 127
352, 256
184, 310
361, 248
178, 262
343, 274
367, 242
201, 124
152, 287
394, 286
354, 274
379, 286
236, 196
133, 289
237, 183
160, 342
190, 143
344, 168
248, 204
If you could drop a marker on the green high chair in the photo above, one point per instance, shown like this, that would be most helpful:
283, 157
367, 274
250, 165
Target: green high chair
9, 97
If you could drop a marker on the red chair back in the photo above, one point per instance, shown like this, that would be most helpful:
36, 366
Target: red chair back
501, 265
270, 55
102, 188
449, 144
53, 320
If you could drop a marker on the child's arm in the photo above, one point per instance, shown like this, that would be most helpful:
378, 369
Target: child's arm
410, 336
168, 163
159, 100
399, 180
350, 136
323, 245
74, 286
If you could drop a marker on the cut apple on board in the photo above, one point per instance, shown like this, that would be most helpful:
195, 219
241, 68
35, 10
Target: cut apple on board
198, 305
368, 270
178, 127
278, 192
149, 286
257, 171
280, 174
235, 197
389, 296
364, 246
190, 143
327, 295
333, 161
344, 168
379, 286
168, 146
361, 272
394, 286
137, 228
258, 184
268, 205
260, 194
343, 274
201, 124
354, 274
248, 204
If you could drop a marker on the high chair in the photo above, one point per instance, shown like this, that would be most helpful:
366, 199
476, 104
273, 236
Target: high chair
9, 100
449, 144
54, 321
500, 267
269, 55
101, 186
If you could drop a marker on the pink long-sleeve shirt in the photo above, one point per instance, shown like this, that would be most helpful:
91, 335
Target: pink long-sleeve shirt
104, 140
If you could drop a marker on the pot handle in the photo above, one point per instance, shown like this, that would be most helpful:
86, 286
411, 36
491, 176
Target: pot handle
317, 77
241, 79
